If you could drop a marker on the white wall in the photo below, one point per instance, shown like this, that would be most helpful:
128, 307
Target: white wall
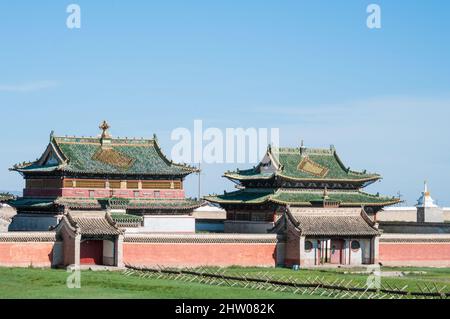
309, 258
169, 224
360, 256
108, 252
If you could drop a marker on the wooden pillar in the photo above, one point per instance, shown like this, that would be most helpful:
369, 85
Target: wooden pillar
375, 242
302, 250
118, 251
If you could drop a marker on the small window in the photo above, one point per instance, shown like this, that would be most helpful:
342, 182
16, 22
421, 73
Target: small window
355, 245
91, 194
157, 194
136, 194
308, 246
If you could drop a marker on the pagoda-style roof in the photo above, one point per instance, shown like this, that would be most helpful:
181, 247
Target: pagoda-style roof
104, 155
103, 203
346, 222
90, 223
302, 197
303, 164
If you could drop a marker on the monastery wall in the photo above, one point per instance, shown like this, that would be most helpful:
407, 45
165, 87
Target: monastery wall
219, 250
25, 249
42, 249
415, 250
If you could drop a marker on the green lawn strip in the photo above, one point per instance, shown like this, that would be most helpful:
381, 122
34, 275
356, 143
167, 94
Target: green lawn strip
412, 276
51, 283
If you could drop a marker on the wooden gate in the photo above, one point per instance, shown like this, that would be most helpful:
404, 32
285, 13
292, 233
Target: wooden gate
91, 252
337, 246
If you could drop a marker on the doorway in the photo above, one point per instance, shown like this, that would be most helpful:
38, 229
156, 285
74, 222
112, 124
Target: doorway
91, 252
336, 248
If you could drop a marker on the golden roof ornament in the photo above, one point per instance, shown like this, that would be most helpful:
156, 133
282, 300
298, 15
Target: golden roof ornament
105, 138
105, 127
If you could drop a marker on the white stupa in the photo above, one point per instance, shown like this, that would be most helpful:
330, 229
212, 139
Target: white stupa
427, 210
425, 200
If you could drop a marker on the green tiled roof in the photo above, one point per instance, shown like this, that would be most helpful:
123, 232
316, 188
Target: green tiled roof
126, 218
343, 197
164, 204
119, 156
303, 197
305, 164
86, 203
245, 196
32, 202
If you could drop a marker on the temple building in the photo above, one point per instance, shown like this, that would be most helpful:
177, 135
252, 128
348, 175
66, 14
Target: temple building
130, 179
314, 200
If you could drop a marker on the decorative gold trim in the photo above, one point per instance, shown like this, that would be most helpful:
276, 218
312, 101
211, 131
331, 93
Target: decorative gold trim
309, 166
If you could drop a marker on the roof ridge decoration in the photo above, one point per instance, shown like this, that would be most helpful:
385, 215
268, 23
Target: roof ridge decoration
309, 166
112, 157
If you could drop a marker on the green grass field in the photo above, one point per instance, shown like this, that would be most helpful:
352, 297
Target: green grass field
51, 283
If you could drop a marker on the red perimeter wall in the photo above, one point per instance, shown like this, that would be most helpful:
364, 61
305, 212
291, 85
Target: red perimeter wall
24, 254
199, 254
414, 254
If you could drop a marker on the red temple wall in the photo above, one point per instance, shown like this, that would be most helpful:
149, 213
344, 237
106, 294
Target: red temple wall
106, 193
414, 254
199, 254
24, 254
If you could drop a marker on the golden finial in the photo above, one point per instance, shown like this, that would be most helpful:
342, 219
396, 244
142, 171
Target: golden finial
105, 127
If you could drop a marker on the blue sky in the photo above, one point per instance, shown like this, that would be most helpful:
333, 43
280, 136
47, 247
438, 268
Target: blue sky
311, 68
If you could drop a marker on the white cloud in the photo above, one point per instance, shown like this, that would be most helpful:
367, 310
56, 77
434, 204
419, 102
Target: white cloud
381, 105
28, 87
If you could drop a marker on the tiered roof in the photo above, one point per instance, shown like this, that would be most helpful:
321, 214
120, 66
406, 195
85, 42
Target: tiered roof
311, 177
104, 155
304, 164
99, 203
303, 197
